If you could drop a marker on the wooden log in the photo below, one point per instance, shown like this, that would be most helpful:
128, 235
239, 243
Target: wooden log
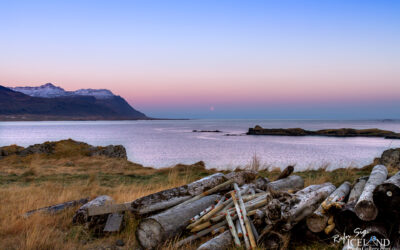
200, 234
261, 183
210, 213
233, 230
239, 229
365, 207
286, 172
218, 230
311, 188
242, 177
292, 182
82, 215
154, 230
306, 205
387, 196
252, 240
277, 240
317, 221
171, 197
57, 208
254, 230
114, 223
109, 209
221, 242
376, 237
346, 219
208, 192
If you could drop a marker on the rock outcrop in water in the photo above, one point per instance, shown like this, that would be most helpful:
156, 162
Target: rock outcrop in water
65, 147
341, 132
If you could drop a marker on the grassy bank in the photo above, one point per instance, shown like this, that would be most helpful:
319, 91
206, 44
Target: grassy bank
40, 180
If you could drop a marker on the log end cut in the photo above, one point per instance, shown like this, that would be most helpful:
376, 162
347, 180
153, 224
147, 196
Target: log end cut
316, 222
149, 234
366, 210
387, 197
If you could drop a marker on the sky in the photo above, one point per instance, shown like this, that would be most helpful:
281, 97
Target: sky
272, 59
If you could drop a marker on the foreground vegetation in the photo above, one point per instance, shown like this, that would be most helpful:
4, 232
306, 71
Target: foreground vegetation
41, 180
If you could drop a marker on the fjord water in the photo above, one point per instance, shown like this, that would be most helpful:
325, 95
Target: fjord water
165, 143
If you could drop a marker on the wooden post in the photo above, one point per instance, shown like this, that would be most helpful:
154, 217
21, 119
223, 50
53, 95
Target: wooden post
154, 230
240, 216
365, 207
245, 218
317, 221
387, 196
233, 229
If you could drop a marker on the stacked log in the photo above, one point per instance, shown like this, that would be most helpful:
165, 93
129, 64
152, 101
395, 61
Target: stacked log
365, 208
387, 196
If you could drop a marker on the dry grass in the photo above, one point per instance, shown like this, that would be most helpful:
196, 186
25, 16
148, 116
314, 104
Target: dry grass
36, 181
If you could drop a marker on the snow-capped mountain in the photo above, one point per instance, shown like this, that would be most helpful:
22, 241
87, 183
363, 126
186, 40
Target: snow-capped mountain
49, 90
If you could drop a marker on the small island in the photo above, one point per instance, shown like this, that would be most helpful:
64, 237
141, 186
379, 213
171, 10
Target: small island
341, 132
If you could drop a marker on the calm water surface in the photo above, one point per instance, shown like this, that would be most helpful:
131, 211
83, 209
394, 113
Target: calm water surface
165, 143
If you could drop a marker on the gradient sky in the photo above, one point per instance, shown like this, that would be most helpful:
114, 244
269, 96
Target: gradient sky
213, 59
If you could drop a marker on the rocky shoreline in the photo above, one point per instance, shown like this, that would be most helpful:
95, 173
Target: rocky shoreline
342, 132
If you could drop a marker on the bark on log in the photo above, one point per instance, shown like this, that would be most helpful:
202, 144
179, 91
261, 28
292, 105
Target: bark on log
317, 221
221, 242
292, 182
307, 204
286, 172
171, 197
387, 196
156, 229
58, 207
346, 219
365, 207
81, 216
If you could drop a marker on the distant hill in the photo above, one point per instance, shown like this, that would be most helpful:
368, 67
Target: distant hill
49, 102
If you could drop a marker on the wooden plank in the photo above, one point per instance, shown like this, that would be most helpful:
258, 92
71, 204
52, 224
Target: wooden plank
114, 223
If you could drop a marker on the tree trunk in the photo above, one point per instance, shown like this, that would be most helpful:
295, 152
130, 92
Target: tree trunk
346, 219
317, 221
312, 188
292, 182
307, 204
286, 172
156, 229
171, 197
387, 196
221, 242
365, 207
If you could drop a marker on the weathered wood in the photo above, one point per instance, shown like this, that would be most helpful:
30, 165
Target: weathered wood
376, 236
220, 205
311, 188
171, 197
221, 242
317, 221
154, 230
286, 172
239, 229
240, 216
277, 240
292, 182
245, 218
306, 205
254, 230
57, 207
198, 235
242, 177
114, 223
346, 219
82, 216
109, 208
365, 207
232, 228
387, 196
208, 192
218, 230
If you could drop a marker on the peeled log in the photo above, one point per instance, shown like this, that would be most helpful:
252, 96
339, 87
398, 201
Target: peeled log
171, 197
221, 242
365, 207
318, 220
307, 204
154, 230
346, 219
387, 195
292, 182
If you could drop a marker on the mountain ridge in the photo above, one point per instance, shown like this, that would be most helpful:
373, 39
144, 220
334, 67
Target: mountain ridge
85, 105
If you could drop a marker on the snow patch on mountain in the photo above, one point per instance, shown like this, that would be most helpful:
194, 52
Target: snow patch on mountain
49, 90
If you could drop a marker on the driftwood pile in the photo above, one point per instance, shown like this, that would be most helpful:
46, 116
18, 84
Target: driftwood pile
244, 210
